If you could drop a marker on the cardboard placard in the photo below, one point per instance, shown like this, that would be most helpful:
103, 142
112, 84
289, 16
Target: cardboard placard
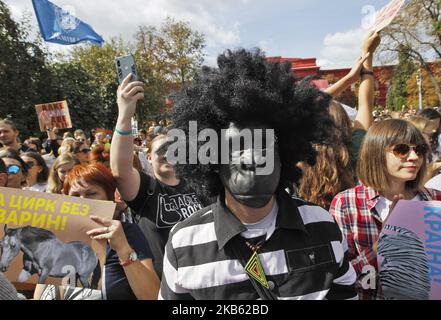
43, 238
53, 115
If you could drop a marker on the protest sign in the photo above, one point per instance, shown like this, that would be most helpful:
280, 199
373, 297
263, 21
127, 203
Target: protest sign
409, 251
43, 238
387, 15
53, 115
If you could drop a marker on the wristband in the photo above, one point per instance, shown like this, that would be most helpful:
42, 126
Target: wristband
364, 72
123, 133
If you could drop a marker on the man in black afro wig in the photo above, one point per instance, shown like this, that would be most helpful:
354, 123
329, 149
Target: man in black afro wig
255, 241
245, 89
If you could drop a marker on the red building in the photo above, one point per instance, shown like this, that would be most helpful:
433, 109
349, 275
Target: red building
308, 67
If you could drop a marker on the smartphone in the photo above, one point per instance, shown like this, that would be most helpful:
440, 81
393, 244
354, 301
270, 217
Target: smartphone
126, 65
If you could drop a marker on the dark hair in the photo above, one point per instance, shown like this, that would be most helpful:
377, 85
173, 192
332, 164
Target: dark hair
44, 174
2, 166
9, 123
14, 154
432, 114
35, 141
247, 89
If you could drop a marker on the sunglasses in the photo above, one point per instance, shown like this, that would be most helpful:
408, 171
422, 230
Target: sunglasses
13, 169
85, 151
402, 150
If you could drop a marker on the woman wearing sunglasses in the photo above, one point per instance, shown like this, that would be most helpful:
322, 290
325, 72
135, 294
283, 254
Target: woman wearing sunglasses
81, 151
38, 172
391, 166
15, 168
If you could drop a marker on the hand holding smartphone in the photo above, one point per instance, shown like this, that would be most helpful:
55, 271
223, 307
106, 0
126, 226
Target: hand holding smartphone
126, 65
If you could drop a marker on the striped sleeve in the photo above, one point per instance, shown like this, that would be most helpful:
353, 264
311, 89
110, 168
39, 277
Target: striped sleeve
170, 288
343, 286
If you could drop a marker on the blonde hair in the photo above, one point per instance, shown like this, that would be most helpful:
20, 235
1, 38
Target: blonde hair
372, 166
54, 184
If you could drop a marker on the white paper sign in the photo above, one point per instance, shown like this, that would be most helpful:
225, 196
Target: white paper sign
387, 14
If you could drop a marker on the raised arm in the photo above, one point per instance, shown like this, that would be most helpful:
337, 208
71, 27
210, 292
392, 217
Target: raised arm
121, 151
352, 77
366, 98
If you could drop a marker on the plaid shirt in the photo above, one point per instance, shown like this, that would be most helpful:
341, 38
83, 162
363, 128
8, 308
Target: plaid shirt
354, 210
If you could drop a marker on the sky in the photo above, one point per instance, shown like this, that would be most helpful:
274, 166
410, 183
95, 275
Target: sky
331, 31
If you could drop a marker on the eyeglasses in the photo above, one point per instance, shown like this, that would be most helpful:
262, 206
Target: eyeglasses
13, 169
85, 151
402, 150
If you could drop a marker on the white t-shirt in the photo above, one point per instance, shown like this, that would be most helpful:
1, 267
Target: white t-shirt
39, 187
383, 205
266, 226
434, 183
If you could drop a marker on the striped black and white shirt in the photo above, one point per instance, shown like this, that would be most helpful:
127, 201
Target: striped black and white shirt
305, 256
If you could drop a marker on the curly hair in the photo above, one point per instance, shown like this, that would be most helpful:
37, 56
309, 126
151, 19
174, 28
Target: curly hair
333, 171
248, 89
330, 175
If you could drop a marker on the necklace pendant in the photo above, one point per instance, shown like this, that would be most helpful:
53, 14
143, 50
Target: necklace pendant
254, 269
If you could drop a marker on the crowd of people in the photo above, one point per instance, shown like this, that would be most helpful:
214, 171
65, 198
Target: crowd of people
190, 231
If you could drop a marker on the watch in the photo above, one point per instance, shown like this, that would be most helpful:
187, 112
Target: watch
132, 258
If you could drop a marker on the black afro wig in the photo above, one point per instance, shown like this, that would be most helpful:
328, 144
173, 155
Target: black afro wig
248, 89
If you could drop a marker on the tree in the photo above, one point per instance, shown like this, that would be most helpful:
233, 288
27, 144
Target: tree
397, 96
416, 32
183, 49
83, 97
168, 58
430, 97
99, 64
26, 80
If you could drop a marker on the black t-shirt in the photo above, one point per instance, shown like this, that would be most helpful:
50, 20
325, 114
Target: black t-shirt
116, 285
159, 207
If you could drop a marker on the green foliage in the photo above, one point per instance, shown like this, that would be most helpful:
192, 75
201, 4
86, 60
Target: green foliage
24, 76
76, 85
166, 59
397, 96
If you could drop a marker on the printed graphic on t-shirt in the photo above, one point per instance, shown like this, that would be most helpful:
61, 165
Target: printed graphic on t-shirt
175, 208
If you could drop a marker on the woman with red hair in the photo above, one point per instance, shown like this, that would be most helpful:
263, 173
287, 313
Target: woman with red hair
128, 271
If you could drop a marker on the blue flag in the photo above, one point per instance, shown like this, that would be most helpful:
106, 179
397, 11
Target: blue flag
59, 26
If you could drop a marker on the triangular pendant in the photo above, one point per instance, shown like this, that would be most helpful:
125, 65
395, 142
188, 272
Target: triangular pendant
254, 269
